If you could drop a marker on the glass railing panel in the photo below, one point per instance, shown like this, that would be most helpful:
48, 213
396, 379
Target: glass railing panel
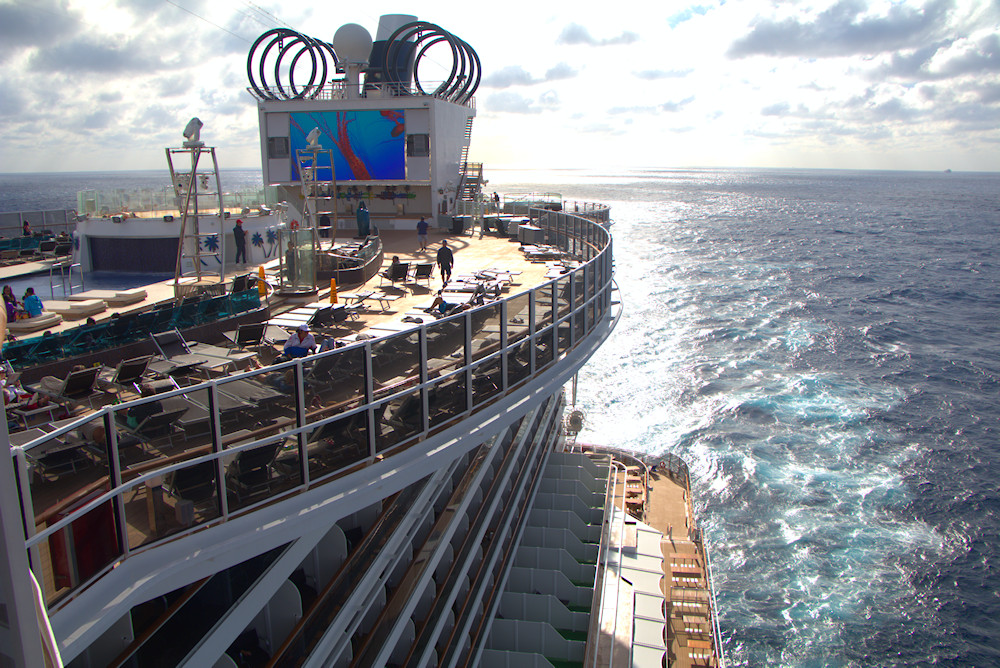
543, 306
588, 281
79, 551
397, 420
544, 350
564, 336
487, 381
253, 474
447, 399
62, 470
396, 362
147, 429
518, 317
518, 362
591, 316
485, 331
579, 325
190, 430
446, 343
579, 286
265, 402
563, 292
190, 497
334, 381
332, 446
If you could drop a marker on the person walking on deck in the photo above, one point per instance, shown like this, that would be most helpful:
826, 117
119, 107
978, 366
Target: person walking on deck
240, 236
445, 260
422, 233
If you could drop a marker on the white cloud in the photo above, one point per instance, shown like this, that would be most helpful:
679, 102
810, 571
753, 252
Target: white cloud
708, 83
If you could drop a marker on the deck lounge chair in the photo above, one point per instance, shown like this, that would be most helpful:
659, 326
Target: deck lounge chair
396, 273
158, 426
177, 357
214, 359
195, 484
250, 473
422, 272
126, 375
76, 388
249, 335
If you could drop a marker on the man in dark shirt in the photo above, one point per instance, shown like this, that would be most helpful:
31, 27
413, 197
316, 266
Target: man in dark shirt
240, 236
445, 260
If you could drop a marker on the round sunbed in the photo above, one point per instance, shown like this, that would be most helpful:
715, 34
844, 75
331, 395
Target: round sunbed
36, 324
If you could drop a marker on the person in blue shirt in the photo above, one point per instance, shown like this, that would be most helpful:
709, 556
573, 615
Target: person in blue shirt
32, 304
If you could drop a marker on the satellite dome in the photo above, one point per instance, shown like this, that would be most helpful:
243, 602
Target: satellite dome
353, 43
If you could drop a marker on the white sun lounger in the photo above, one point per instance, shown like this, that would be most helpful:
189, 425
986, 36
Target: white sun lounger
112, 297
76, 309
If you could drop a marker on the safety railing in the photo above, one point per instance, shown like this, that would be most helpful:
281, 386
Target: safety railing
340, 90
129, 476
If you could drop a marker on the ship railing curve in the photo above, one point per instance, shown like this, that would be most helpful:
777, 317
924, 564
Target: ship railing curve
98, 490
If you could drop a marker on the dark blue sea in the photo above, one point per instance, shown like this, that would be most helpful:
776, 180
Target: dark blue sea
823, 348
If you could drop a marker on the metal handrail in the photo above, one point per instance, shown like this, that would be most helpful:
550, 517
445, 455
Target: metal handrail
567, 228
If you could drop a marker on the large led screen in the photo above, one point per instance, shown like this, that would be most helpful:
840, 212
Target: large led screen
367, 145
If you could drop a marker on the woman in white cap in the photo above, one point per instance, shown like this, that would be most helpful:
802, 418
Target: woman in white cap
299, 344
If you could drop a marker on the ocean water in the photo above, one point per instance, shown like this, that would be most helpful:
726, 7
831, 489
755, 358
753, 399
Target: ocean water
823, 348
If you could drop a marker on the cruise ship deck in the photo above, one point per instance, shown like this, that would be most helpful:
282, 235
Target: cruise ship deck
375, 474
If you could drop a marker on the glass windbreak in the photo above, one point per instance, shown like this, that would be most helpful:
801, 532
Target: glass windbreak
76, 553
149, 428
268, 404
564, 330
446, 399
487, 381
518, 363
485, 331
446, 344
254, 474
579, 287
396, 362
543, 306
543, 348
298, 271
333, 445
578, 324
398, 419
189, 495
334, 379
518, 317
565, 296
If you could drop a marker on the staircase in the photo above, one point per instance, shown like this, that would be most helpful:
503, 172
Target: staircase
470, 179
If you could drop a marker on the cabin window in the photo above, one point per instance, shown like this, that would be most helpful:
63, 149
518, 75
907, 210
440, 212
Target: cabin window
277, 147
418, 146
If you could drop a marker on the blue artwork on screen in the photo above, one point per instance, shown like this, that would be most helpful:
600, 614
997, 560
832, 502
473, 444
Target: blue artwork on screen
367, 145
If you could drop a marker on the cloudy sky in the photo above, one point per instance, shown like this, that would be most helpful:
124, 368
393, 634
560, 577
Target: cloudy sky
102, 85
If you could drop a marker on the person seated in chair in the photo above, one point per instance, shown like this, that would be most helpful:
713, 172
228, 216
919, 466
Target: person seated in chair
299, 344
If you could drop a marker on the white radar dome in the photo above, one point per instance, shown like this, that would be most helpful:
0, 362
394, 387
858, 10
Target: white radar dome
353, 43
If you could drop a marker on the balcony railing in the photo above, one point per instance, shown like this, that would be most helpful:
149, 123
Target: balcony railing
131, 476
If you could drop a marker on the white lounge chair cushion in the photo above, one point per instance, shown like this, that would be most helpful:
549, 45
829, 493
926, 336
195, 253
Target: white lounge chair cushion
112, 297
76, 309
38, 323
